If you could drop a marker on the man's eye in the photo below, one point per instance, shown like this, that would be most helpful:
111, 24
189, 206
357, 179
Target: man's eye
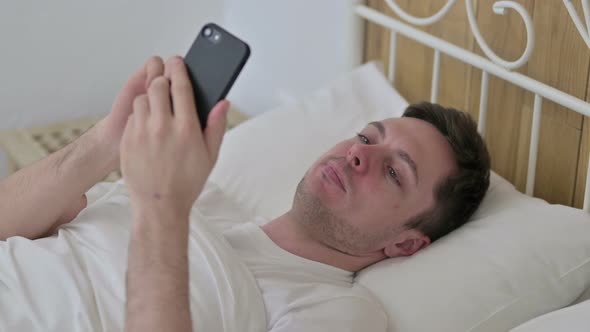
394, 175
363, 138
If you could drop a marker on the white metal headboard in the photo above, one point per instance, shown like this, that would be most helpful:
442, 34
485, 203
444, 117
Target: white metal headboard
494, 65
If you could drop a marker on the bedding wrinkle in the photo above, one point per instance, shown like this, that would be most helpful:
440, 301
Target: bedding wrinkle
583, 264
492, 314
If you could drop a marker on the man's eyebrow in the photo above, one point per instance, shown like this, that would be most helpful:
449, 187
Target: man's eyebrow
379, 127
402, 154
406, 157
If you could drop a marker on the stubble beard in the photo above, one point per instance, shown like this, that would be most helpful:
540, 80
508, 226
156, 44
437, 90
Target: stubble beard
329, 229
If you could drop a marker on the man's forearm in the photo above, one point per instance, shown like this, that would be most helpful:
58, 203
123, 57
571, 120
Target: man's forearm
32, 199
157, 275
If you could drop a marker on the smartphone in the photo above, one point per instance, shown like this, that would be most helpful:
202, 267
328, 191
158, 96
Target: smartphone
214, 62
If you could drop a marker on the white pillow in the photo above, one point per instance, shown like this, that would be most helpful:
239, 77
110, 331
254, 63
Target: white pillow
519, 258
584, 297
571, 319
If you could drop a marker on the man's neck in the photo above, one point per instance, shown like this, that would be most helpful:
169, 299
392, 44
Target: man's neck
290, 235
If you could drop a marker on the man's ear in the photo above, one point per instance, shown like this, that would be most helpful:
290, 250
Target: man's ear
407, 243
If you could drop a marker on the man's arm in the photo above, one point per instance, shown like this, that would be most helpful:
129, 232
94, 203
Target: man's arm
165, 160
33, 199
157, 274
50, 192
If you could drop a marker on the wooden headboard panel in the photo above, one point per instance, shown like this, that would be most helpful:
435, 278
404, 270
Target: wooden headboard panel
560, 59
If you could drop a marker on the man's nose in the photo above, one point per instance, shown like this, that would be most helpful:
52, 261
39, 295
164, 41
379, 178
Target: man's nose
360, 157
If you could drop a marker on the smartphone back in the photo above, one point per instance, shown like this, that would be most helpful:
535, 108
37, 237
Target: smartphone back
214, 61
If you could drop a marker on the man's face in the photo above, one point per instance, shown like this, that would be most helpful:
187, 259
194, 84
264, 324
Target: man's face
358, 196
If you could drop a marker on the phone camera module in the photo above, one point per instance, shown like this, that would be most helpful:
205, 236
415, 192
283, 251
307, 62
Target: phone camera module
215, 37
207, 32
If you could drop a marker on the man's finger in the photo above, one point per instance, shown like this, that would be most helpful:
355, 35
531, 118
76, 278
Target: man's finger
159, 99
141, 110
215, 129
154, 67
129, 126
134, 86
183, 100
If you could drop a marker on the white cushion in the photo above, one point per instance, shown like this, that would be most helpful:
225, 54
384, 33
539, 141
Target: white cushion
571, 319
519, 257
584, 297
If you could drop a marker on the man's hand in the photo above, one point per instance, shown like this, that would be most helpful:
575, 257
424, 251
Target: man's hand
165, 158
71, 171
109, 130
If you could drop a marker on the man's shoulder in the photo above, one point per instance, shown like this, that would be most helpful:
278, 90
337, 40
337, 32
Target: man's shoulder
360, 298
354, 295
219, 209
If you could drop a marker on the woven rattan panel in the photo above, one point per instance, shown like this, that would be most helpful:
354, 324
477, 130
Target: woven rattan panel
25, 146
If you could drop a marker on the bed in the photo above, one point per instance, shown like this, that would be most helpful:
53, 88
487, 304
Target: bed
519, 258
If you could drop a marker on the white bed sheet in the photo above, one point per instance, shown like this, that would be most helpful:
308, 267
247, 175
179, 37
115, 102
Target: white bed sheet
575, 318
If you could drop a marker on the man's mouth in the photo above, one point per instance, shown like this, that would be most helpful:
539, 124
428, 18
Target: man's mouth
334, 175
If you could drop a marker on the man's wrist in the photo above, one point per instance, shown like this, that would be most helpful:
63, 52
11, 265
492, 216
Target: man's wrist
162, 232
93, 152
162, 213
167, 211
109, 148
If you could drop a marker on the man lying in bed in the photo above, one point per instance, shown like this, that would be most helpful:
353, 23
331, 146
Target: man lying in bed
388, 191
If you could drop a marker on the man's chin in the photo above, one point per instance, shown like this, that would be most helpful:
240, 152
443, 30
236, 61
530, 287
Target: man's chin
314, 197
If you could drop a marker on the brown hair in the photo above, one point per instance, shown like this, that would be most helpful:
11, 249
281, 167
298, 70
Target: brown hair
458, 196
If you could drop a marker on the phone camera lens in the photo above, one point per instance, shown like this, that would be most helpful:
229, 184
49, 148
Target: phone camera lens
207, 32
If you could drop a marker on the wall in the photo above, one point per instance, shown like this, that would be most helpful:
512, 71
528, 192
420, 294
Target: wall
297, 47
560, 59
65, 59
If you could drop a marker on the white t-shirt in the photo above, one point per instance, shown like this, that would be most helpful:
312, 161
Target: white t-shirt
301, 294
239, 281
75, 280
